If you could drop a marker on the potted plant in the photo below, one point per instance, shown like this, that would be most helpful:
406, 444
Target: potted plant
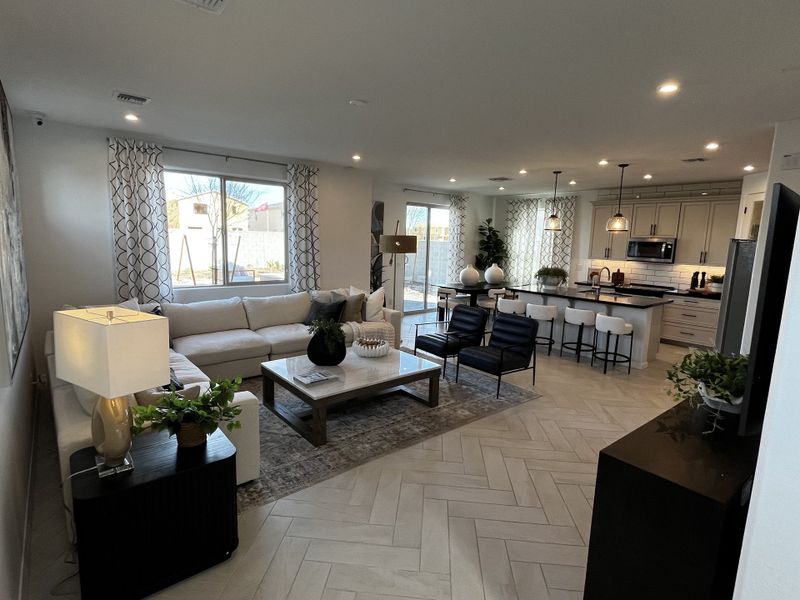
710, 378
326, 347
191, 419
492, 249
714, 283
551, 277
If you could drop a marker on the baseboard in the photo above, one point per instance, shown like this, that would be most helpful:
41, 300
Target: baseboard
26, 540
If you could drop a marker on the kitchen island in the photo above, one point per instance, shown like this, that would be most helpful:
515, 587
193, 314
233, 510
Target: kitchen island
643, 312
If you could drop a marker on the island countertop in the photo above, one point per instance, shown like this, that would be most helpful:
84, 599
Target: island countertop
589, 296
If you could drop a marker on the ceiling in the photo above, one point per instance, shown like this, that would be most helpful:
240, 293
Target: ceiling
468, 89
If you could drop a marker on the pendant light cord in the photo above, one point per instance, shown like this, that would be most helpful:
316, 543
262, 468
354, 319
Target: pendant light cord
621, 175
555, 188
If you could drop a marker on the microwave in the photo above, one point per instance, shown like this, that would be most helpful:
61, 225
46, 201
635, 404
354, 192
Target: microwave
661, 250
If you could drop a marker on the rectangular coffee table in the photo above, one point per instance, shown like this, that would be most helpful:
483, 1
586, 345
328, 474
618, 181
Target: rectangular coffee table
356, 378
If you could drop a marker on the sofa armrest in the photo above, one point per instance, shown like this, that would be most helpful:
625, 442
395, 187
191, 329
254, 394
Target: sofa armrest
395, 319
246, 439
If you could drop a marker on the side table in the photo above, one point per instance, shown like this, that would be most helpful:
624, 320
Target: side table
173, 516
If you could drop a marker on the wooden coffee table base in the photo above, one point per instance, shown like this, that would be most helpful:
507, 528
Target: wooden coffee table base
313, 423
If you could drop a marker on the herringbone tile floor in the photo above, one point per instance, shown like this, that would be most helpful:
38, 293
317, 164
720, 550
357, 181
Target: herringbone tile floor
496, 510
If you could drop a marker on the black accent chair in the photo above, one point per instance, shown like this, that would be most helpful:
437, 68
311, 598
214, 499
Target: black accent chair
466, 327
510, 349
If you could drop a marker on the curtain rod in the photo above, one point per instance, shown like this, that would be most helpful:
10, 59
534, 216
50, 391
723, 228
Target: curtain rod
226, 156
426, 192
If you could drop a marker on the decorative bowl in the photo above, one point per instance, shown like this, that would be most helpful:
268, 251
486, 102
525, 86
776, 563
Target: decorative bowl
366, 348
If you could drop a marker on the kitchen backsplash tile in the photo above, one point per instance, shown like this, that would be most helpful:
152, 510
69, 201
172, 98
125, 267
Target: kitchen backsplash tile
679, 276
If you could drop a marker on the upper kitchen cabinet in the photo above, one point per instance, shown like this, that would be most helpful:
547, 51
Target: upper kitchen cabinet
656, 219
605, 244
705, 232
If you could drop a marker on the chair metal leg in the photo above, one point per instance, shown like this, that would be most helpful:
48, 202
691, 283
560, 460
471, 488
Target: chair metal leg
534, 365
605, 356
630, 355
444, 366
616, 349
499, 377
579, 344
458, 364
561, 350
594, 348
552, 341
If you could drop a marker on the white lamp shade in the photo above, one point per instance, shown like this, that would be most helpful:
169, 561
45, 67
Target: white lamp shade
111, 357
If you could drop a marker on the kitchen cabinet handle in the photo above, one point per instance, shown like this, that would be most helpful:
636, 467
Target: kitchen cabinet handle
691, 302
686, 333
700, 260
685, 315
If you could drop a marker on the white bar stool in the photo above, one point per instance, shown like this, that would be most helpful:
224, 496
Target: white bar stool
448, 298
615, 326
490, 303
543, 313
513, 307
583, 319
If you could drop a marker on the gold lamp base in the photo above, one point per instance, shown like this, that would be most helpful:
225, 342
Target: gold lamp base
111, 435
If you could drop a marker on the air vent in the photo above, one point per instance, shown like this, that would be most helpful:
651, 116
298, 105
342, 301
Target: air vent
694, 160
500, 179
131, 98
212, 6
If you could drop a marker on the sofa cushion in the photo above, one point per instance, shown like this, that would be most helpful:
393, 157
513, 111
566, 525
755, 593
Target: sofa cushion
153, 396
373, 306
86, 399
185, 371
323, 310
352, 307
204, 317
286, 339
276, 310
221, 346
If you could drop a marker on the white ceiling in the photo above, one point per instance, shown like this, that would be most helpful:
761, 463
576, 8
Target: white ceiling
469, 89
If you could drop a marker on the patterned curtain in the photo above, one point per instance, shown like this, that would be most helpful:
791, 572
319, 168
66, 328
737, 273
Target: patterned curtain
141, 236
529, 246
455, 252
302, 215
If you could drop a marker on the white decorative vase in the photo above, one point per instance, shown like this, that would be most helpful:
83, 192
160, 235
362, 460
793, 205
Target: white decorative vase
470, 276
494, 274
714, 287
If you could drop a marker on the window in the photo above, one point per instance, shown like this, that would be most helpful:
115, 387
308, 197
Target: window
225, 231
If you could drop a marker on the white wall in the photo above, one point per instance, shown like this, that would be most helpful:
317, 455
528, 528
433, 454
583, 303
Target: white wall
768, 567
68, 223
786, 141
395, 200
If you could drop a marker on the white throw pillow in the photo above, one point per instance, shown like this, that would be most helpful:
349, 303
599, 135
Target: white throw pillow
374, 305
132, 304
86, 399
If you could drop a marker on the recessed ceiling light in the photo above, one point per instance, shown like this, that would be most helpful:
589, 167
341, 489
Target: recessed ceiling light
523, 172
704, 193
712, 145
501, 188
131, 117
356, 157
603, 163
749, 168
452, 180
647, 176
357, 102
572, 182
668, 88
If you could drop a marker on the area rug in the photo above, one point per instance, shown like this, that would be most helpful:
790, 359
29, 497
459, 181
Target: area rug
374, 428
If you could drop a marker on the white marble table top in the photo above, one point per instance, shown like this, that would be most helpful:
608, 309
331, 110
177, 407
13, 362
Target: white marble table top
353, 373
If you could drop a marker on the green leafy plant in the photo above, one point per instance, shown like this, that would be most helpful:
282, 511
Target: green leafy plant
208, 410
716, 279
492, 248
545, 272
724, 376
330, 331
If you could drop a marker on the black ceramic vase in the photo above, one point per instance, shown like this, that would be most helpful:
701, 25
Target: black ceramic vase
319, 353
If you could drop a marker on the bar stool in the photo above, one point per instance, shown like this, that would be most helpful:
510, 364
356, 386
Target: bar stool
615, 326
583, 319
490, 303
448, 298
512, 307
541, 312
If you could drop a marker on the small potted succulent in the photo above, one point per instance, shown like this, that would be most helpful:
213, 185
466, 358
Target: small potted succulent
192, 420
714, 283
710, 378
551, 277
326, 347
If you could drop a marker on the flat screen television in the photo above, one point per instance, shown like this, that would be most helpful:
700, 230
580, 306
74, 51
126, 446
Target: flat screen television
780, 232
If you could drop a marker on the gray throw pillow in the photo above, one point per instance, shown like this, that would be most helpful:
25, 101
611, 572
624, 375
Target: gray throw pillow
352, 307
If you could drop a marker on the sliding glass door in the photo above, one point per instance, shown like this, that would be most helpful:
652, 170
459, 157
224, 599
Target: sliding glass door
428, 267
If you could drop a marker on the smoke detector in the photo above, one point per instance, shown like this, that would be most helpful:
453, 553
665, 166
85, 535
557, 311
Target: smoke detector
212, 6
500, 179
131, 98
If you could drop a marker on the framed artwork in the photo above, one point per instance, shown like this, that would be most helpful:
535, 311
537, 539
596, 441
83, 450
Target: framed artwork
14, 304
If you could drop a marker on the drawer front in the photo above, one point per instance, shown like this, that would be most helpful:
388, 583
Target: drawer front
686, 314
704, 303
689, 335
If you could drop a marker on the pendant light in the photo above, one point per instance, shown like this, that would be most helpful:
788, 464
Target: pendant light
553, 223
618, 223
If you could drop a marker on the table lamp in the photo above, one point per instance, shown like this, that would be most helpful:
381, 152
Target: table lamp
112, 352
394, 245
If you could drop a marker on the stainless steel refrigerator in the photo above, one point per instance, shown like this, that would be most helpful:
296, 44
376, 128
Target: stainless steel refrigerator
735, 290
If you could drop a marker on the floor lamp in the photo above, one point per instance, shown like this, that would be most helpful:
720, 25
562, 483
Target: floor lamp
394, 245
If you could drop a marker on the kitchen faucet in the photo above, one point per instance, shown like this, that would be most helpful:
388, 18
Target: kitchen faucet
596, 288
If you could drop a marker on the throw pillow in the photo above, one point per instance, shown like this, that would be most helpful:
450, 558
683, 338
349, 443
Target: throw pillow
86, 399
373, 307
324, 310
352, 307
132, 304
